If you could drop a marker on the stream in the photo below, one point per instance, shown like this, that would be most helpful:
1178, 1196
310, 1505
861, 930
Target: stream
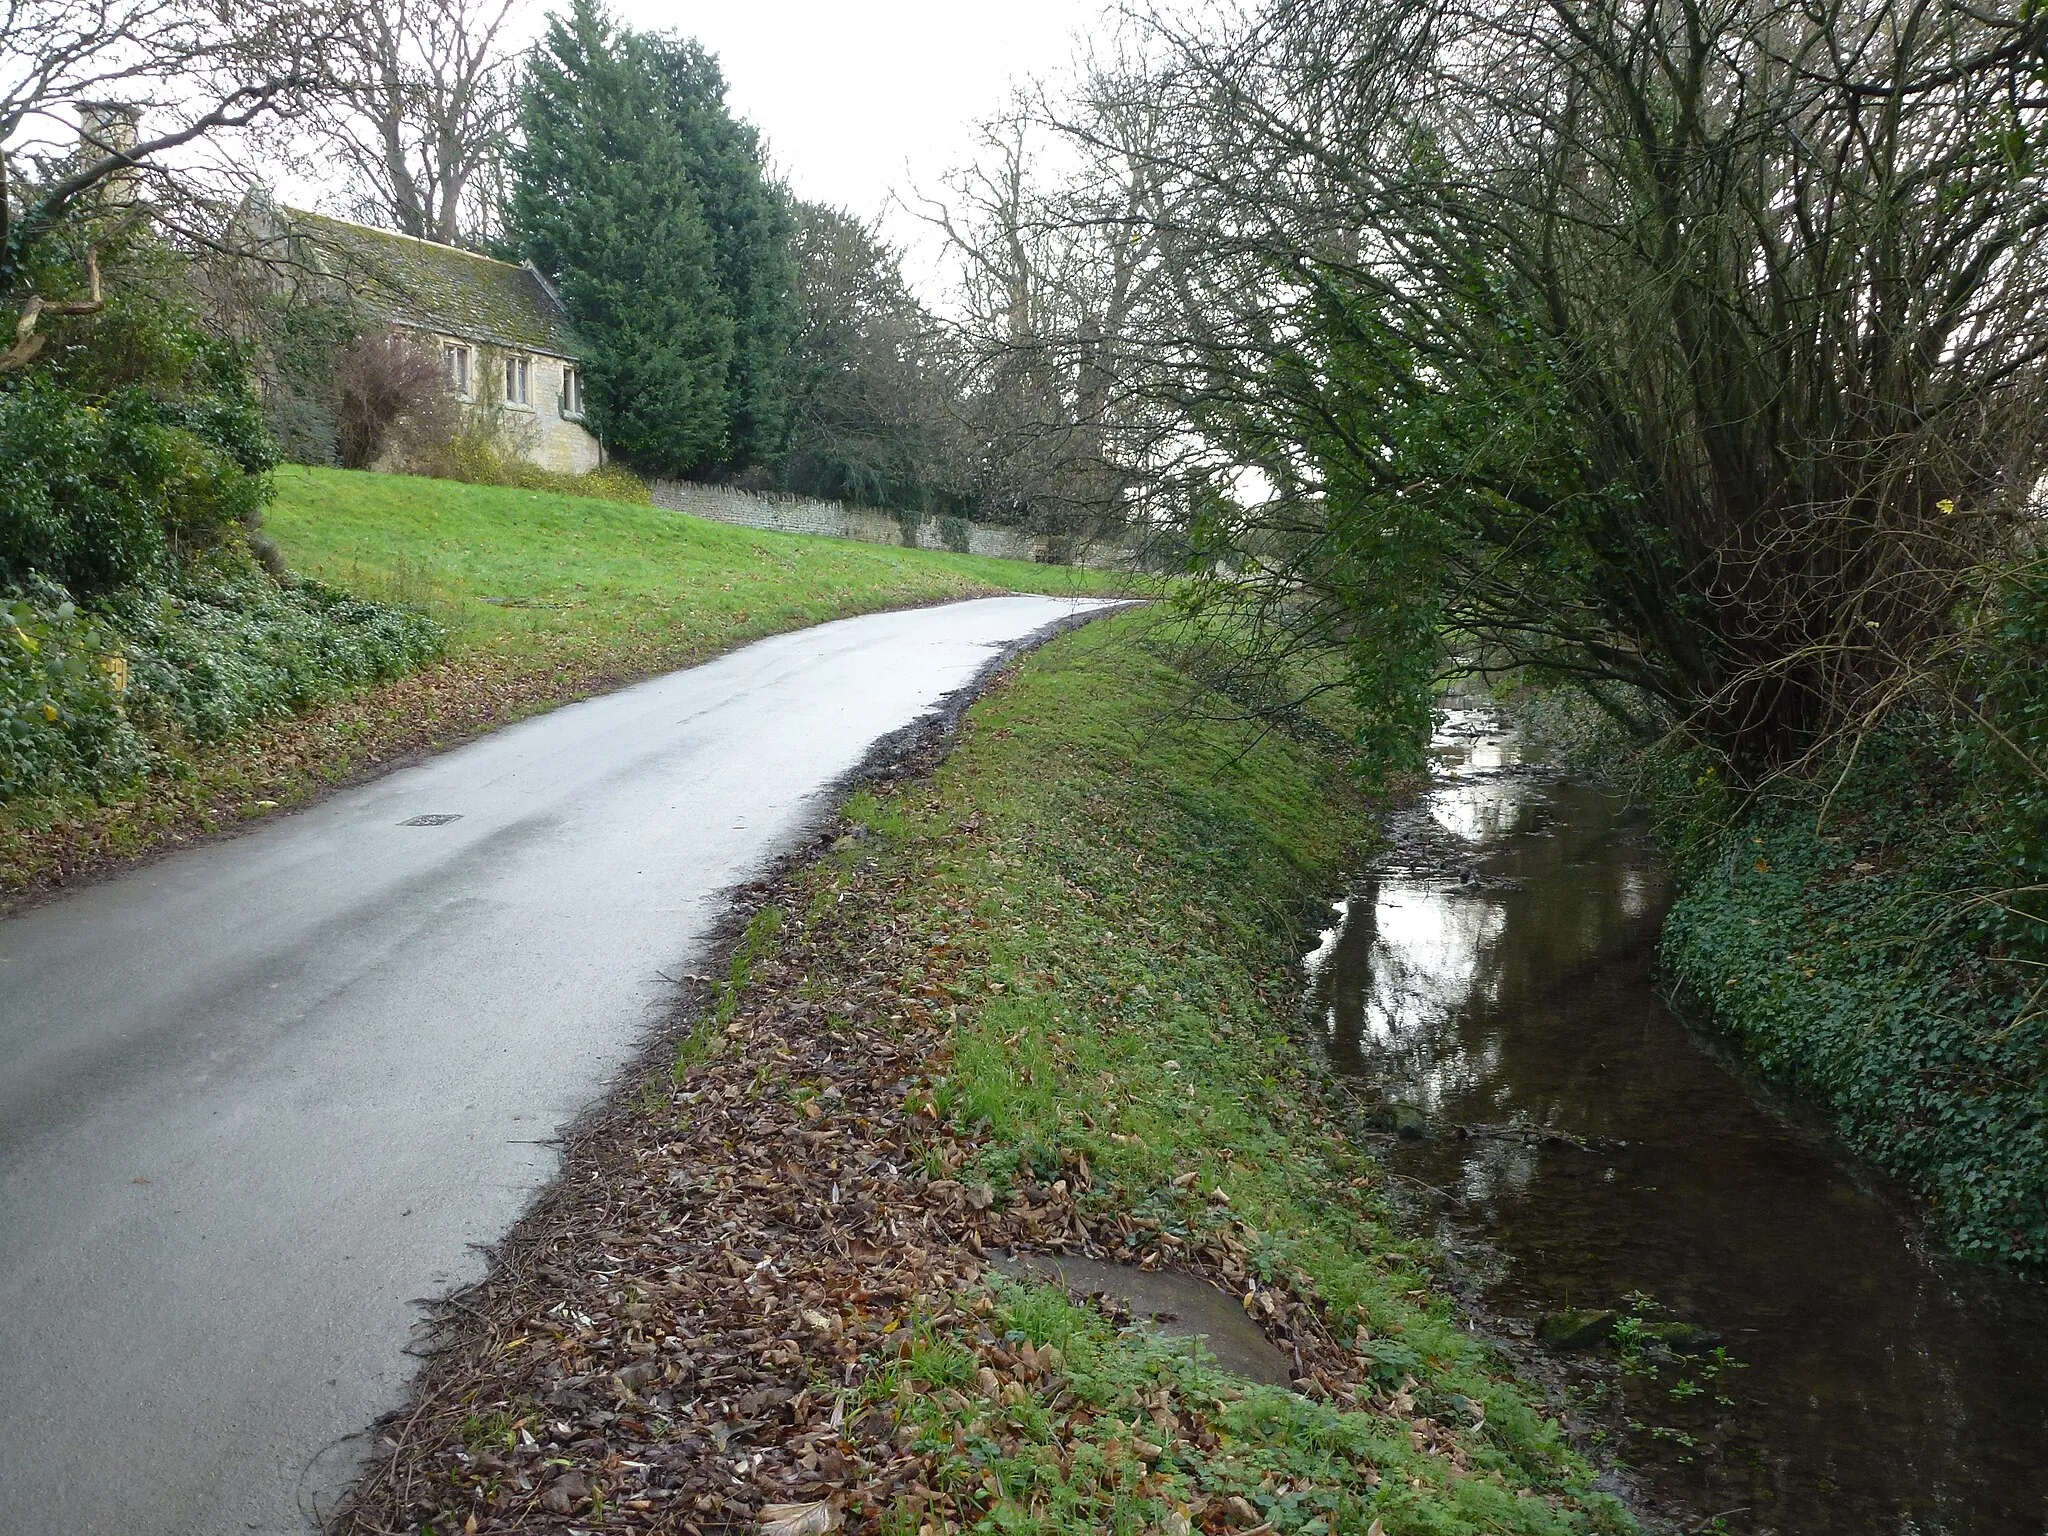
1787, 1351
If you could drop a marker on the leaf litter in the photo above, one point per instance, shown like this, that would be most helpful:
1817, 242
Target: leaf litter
683, 1333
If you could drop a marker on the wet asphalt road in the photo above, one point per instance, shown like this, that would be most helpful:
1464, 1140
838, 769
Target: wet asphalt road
258, 1097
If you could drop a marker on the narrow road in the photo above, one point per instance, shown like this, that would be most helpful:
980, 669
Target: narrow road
259, 1097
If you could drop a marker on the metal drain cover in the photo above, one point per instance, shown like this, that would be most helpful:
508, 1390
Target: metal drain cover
440, 820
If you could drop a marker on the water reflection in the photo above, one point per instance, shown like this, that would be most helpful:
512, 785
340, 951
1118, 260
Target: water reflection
1478, 810
1502, 982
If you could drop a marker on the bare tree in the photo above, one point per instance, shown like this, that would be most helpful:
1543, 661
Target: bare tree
1696, 344
98, 98
425, 100
1054, 271
390, 392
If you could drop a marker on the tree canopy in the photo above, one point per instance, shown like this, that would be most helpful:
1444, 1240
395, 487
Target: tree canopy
871, 381
640, 196
1696, 348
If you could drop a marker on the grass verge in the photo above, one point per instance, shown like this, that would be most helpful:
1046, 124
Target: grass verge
1044, 998
544, 598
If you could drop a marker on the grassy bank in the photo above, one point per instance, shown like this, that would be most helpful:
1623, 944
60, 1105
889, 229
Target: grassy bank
1046, 999
537, 581
540, 598
1831, 931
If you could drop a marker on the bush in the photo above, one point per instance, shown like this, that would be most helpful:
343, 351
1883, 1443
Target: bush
87, 702
83, 489
2002, 757
62, 682
96, 496
389, 393
136, 441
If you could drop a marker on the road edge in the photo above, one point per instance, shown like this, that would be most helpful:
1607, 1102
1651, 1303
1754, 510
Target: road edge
189, 830
909, 751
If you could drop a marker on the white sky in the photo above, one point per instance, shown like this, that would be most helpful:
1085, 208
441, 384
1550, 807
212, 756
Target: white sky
857, 100
862, 97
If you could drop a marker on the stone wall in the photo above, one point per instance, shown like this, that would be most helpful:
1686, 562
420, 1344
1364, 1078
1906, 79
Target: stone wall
834, 519
539, 429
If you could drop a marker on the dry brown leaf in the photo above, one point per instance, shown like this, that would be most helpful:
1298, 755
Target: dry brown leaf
812, 1519
642, 1262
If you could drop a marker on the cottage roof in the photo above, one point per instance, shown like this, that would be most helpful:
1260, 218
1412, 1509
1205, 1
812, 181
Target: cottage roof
416, 282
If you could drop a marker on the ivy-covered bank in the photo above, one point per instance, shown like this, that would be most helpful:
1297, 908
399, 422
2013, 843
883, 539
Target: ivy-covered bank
1044, 999
93, 701
1840, 932
1877, 931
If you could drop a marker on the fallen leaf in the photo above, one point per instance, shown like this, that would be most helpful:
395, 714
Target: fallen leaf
812, 1519
565, 1493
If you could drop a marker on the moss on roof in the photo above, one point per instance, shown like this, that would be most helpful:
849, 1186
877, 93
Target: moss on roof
437, 287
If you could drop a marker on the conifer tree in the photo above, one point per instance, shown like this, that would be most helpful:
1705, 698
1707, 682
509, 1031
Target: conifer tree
642, 197
605, 202
751, 229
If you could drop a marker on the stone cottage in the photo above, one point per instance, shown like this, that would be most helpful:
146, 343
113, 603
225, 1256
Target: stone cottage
504, 339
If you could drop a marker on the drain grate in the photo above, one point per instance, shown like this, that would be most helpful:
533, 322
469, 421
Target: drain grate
441, 820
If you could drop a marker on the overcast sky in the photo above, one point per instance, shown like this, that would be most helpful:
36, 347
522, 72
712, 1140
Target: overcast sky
847, 93
860, 97
855, 99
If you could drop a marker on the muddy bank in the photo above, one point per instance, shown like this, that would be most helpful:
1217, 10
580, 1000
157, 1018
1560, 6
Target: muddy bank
1755, 1323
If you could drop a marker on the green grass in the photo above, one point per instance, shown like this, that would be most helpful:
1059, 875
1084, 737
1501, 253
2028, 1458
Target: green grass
544, 598
546, 580
1115, 887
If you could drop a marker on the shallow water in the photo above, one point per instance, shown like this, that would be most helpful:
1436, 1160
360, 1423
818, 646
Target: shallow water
1587, 1150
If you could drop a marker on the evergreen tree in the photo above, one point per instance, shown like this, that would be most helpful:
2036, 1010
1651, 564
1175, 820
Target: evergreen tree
642, 197
873, 388
751, 228
605, 201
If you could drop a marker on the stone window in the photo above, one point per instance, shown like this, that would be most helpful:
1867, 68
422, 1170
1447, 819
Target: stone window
455, 360
572, 392
519, 381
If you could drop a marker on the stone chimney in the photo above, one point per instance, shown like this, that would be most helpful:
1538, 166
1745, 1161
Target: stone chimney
110, 128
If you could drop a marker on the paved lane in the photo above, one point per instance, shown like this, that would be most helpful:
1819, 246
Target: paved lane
257, 1097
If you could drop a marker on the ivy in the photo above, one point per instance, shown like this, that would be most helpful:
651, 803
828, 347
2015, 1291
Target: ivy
1836, 935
